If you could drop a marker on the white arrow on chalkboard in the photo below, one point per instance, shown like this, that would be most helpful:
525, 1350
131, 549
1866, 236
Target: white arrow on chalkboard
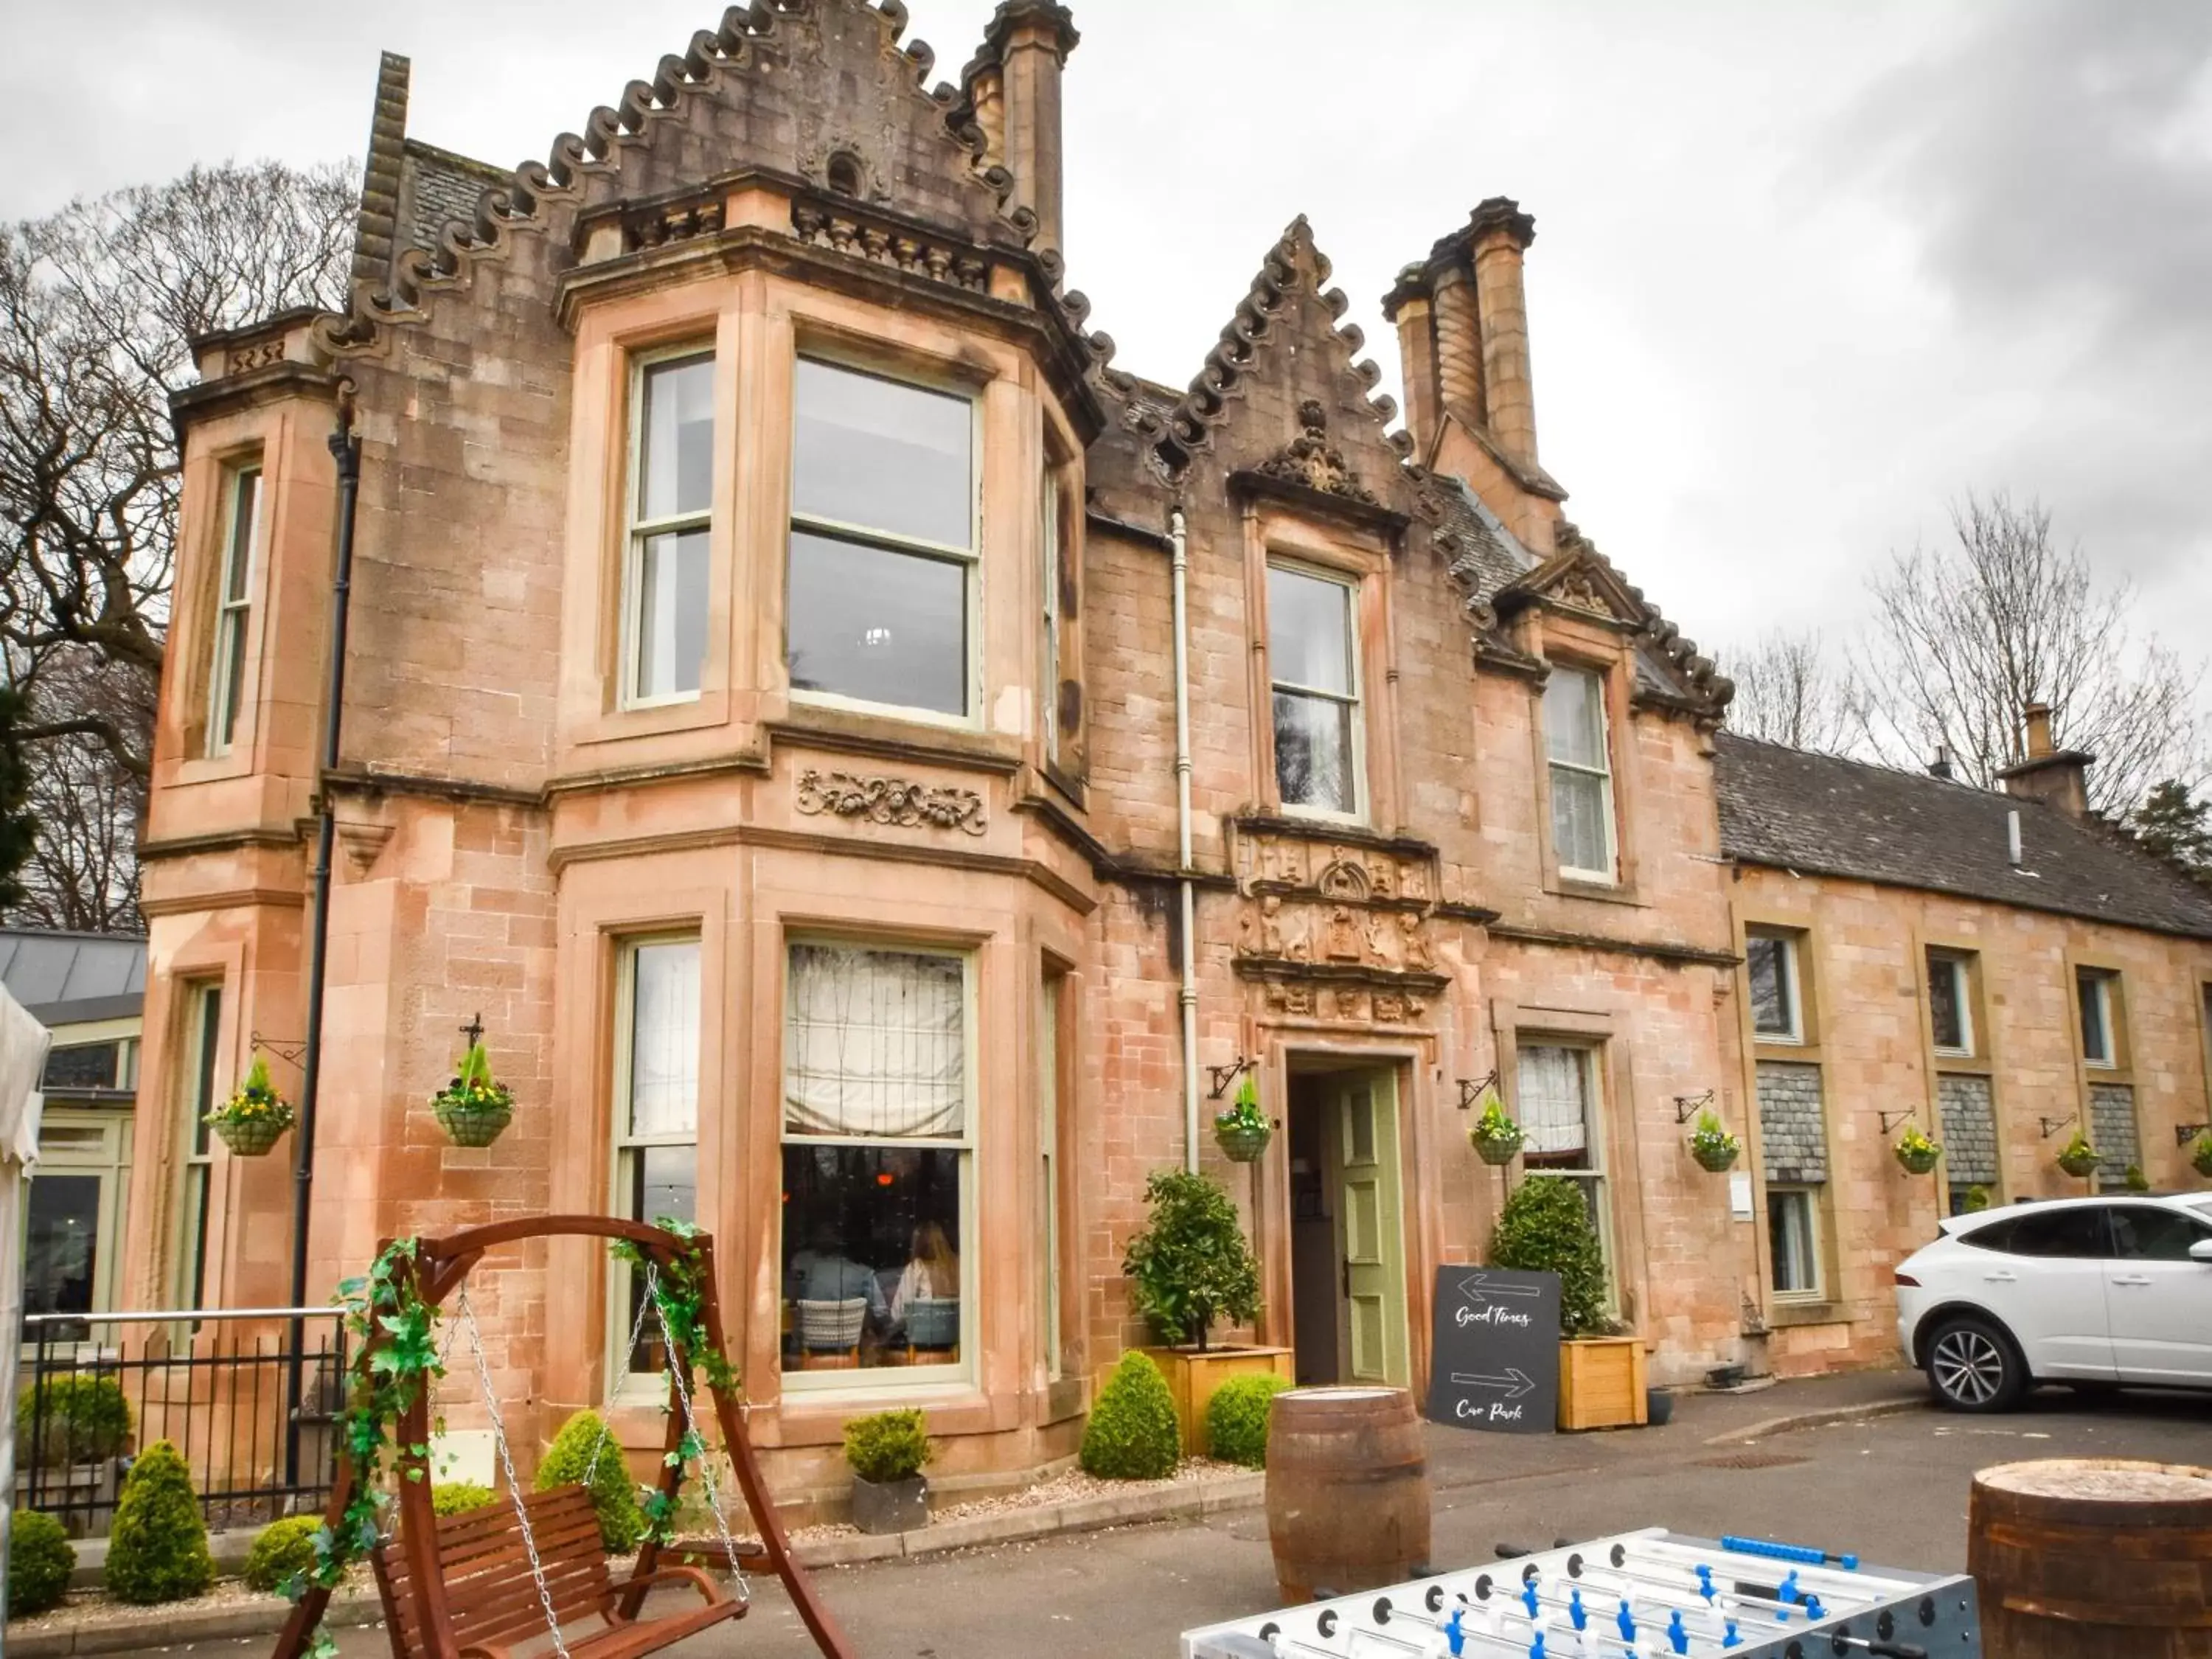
1515, 1384
1478, 1288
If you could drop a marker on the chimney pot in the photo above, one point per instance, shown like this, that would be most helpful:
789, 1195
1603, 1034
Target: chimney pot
2038, 716
2012, 838
1941, 766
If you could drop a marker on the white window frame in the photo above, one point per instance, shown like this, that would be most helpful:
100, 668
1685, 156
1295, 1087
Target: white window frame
969, 558
1354, 700
895, 1380
1959, 968
1816, 1290
1598, 1185
1048, 564
233, 603
1610, 876
2110, 1059
1793, 987
202, 1094
1052, 991
628, 1385
637, 531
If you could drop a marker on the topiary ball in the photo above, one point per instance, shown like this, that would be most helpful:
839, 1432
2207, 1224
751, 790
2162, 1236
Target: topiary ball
157, 1550
460, 1497
1237, 1418
71, 1420
40, 1558
282, 1550
622, 1523
1132, 1434
887, 1446
1545, 1227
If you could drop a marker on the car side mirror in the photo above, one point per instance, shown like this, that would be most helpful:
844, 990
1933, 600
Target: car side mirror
2202, 1251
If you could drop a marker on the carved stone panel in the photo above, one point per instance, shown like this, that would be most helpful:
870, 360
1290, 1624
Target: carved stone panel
895, 801
1335, 930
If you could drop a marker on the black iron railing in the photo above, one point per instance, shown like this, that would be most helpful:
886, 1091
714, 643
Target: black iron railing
97, 1389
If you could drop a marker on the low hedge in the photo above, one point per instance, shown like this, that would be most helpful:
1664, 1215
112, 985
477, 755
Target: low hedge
40, 1558
1132, 1434
71, 1420
1237, 1419
460, 1497
282, 1550
157, 1550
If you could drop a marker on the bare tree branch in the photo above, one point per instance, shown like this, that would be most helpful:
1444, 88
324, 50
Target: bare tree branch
1965, 638
1789, 691
98, 306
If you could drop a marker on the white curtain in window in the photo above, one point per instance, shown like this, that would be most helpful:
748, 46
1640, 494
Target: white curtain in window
1555, 1098
1578, 820
874, 1044
663, 1066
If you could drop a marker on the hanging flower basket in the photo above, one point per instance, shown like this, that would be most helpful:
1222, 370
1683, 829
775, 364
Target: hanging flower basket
2200, 1159
475, 1109
1916, 1153
2078, 1157
251, 1120
1713, 1146
1242, 1132
1497, 1138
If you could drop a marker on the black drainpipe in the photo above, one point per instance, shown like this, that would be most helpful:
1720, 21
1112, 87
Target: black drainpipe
345, 448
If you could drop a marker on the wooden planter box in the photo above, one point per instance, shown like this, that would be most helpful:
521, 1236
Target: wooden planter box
1601, 1382
1193, 1377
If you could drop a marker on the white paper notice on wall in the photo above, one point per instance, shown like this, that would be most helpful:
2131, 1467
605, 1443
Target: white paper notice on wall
1740, 1194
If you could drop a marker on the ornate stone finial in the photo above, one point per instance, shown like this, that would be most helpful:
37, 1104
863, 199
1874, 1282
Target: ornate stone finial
1012, 14
1309, 460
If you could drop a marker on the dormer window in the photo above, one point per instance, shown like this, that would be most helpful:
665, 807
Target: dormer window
1313, 659
1576, 743
883, 542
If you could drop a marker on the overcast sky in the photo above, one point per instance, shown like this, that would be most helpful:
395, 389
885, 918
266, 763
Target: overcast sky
1802, 273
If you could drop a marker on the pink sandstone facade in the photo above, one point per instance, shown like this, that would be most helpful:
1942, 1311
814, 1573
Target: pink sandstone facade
762, 711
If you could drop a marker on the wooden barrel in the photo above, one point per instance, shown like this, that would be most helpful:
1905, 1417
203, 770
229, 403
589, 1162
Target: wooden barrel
1347, 1489
2092, 1558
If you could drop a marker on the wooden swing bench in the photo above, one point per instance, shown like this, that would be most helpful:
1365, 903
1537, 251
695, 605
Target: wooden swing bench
493, 1597
483, 1585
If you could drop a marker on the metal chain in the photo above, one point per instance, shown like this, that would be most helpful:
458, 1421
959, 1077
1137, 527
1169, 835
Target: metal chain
706, 1463
636, 1330
468, 1319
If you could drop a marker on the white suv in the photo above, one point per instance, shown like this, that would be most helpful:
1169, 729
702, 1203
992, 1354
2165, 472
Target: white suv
2085, 1291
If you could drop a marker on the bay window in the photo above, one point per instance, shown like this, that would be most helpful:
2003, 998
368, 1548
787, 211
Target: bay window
234, 606
656, 1097
878, 1133
202, 1030
883, 542
1575, 740
671, 507
1313, 661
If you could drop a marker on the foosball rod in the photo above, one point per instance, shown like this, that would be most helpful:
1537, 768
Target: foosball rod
1712, 1626
1694, 1595
1848, 1582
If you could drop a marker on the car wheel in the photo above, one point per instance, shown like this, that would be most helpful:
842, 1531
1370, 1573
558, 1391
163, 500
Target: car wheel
1974, 1367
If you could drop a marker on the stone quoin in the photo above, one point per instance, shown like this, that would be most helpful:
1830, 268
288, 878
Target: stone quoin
761, 708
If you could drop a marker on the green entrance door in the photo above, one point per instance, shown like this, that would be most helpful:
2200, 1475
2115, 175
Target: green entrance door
1371, 1232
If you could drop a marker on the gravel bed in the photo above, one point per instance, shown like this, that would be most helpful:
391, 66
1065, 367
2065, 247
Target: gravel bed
89, 1609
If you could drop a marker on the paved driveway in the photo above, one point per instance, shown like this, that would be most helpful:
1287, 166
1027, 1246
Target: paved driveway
1893, 1489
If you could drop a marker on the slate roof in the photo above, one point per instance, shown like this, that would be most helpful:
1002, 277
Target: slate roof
66, 979
1489, 554
1820, 814
442, 187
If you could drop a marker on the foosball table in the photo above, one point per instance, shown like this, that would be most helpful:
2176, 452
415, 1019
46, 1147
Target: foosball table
1646, 1594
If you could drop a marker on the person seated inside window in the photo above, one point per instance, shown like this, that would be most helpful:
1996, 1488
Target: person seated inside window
931, 1272
823, 1272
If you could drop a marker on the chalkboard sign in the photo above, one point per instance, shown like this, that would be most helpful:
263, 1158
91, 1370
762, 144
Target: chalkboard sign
1494, 1364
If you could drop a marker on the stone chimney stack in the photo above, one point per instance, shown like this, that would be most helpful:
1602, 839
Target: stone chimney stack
1014, 84
2050, 774
1462, 321
377, 225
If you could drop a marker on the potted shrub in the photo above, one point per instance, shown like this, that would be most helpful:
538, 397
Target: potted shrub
1545, 1227
2200, 1159
1189, 1267
886, 1452
251, 1120
1916, 1153
74, 1428
1712, 1145
2134, 1179
1237, 1419
1243, 1131
1497, 1137
2078, 1157
1133, 1434
475, 1107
